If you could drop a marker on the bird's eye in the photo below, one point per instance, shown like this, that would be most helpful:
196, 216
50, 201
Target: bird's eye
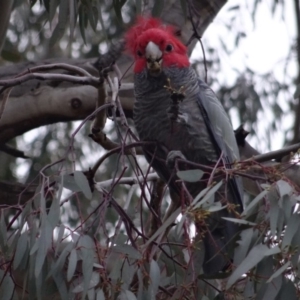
139, 53
169, 48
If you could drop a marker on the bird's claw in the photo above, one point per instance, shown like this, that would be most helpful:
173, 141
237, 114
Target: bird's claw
172, 156
176, 95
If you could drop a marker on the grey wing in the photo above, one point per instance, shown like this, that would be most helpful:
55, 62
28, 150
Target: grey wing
221, 132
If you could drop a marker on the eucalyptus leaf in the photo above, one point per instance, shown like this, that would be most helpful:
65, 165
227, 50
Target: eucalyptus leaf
180, 224
138, 6
53, 4
273, 288
255, 255
209, 196
6, 293
79, 288
254, 202
118, 4
287, 291
21, 248
190, 175
82, 21
283, 187
83, 184
240, 221
44, 243
127, 295
61, 285
86, 245
60, 262
140, 292
287, 207
279, 271
274, 213
3, 233
59, 238
280, 221
155, 278
157, 8
60, 27
72, 264
91, 294
54, 213
70, 183
164, 226
217, 207
100, 295
200, 195
292, 227
243, 246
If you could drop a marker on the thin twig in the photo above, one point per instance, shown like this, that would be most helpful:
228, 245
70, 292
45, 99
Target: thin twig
125, 180
277, 154
55, 66
91, 80
116, 150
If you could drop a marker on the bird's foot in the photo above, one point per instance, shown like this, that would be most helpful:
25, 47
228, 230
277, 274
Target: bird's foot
172, 156
176, 95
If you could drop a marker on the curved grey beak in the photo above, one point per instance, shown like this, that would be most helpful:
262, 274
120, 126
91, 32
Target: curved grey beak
154, 58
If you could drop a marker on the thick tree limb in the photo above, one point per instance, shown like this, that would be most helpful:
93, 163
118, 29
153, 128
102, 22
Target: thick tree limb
47, 105
15, 193
12, 151
203, 12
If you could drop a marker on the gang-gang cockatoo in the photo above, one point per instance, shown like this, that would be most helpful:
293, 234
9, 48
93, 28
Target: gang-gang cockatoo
183, 117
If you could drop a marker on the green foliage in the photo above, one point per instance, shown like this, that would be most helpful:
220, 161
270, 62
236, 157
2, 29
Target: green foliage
124, 264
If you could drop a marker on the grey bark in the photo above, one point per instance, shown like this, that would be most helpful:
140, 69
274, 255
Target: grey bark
203, 13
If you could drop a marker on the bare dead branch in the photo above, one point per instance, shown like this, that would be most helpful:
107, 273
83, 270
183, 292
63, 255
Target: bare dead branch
63, 66
10, 193
91, 80
116, 150
12, 151
101, 139
277, 154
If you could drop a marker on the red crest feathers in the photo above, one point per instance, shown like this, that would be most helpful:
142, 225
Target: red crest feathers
151, 29
142, 24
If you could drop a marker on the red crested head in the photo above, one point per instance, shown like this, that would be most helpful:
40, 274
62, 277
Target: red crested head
155, 45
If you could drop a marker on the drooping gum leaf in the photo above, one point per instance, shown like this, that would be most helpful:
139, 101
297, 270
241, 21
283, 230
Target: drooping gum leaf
155, 277
279, 271
254, 202
256, 254
83, 184
190, 175
20, 249
72, 264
